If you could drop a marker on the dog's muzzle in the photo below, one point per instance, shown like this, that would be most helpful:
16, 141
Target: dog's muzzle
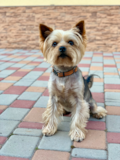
62, 50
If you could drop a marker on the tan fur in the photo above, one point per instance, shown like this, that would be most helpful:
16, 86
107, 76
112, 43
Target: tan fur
99, 112
66, 93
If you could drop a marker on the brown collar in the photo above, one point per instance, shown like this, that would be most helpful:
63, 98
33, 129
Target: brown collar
64, 74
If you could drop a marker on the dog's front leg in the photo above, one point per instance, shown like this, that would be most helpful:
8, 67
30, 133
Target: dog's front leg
50, 116
80, 117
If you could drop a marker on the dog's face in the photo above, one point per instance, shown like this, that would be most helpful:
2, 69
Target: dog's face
63, 48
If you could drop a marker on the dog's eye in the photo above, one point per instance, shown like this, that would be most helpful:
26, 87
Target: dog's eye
71, 43
54, 44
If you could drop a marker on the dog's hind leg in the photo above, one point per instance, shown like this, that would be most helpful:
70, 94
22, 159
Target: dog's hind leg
97, 111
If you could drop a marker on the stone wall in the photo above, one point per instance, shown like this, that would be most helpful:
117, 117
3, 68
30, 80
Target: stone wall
19, 25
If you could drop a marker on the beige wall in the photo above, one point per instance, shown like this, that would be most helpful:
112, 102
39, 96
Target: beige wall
19, 25
57, 2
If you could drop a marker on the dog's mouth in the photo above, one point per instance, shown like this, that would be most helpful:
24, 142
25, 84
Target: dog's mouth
63, 55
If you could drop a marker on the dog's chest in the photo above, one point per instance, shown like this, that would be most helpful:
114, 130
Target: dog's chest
64, 88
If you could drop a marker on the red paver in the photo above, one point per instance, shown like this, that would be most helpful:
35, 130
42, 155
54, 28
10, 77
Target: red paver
1, 79
83, 159
41, 58
99, 97
11, 158
19, 73
83, 65
32, 125
50, 155
46, 93
3, 140
96, 125
3, 61
108, 56
40, 69
43, 78
112, 86
13, 68
113, 137
99, 54
22, 104
1, 111
15, 90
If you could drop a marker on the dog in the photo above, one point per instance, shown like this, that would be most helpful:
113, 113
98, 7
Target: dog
68, 90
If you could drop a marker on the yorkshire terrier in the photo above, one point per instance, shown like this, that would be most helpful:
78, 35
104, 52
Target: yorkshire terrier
68, 90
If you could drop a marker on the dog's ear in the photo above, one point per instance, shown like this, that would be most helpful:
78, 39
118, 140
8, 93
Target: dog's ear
45, 31
81, 27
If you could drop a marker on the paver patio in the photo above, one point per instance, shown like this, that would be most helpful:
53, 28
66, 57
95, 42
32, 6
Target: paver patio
23, 98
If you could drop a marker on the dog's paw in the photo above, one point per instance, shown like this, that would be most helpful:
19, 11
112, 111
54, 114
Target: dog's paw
48, 131
100, 113
77, 135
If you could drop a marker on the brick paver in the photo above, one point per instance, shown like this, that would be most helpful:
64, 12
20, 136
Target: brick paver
92, 141
24, 96
50, 155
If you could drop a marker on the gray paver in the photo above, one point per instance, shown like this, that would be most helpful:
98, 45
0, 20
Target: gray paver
64, 126
85, 61
40, 84
19, 146
7, 126
59, 141
109, 61
33, 96
5, 65
106, 69
8, 81
14, 113
42, 102
49, 70
19, 65
97, 89
89, 153
66, 119
28, 67
97, 64
97, 59
6, 72
24, 82
7, 99
110, 96
84, 69
113, 123
29, 132
33, 75
111, 76
112, 103
101, 104
1, 92
98, 84
30, 58
44, 65
113, 151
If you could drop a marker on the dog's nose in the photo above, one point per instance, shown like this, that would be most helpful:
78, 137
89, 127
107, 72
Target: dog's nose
62, 49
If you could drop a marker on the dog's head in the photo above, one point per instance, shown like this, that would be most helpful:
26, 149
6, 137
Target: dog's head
63, 48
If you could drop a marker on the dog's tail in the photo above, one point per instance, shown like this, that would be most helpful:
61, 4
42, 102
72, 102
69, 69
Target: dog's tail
89, 79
